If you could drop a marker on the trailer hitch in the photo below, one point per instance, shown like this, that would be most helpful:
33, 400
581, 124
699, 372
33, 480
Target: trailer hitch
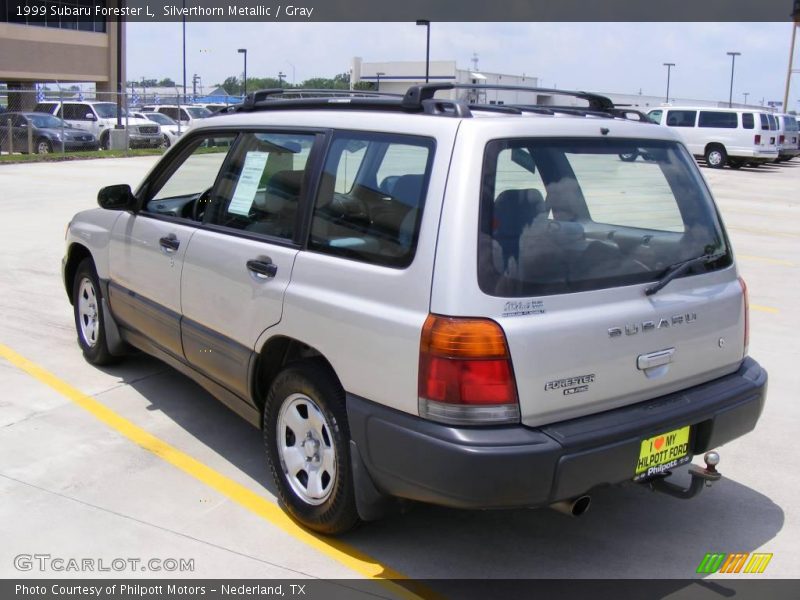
701, 478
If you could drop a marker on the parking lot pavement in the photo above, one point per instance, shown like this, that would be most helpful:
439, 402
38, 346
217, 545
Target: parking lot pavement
76, 486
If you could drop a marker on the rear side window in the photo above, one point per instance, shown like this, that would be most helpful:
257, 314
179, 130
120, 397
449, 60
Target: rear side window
773, 123
590, 214
371, 197
76, 112
655, 116
681, 118
791, 124
747, 121
725, 120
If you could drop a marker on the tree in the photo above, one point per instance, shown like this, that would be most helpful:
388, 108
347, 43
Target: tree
166, 82
232, 86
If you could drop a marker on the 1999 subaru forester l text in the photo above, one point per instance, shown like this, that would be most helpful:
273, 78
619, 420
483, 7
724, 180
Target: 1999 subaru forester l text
474, 306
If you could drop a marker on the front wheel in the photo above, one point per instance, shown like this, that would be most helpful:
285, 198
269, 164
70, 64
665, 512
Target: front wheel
165, 142
307, 442
716, 157
89, 317
43, 147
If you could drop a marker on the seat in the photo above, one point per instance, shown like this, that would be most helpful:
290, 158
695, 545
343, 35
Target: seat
513, 211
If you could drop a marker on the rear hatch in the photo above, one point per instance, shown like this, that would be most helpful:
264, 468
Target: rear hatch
572, 234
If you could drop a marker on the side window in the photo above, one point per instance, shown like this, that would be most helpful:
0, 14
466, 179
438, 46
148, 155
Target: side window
76, 112
681, 118
184, 115
655, 116
748, 121
261, 187
371, 211
187, 188
170, 112
724, 120
773, 123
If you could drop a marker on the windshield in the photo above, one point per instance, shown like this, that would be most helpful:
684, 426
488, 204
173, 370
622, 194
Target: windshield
160, 118
108, 110
198, 112
560, 216
46, 121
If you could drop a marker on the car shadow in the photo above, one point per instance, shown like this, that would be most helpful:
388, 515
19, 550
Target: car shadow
629, 531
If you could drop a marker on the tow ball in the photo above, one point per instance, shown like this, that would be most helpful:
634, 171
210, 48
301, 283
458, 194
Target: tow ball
701, 478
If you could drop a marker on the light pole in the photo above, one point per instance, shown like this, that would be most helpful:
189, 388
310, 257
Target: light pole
184, 52
281, 75
669, 68
745, 94
733, 56
378, 75
427, 25
293, 79
244, 51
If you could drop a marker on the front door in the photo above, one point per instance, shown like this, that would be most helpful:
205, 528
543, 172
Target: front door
148, 248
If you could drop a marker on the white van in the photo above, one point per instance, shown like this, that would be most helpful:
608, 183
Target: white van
723, 136
100, 118
788, 146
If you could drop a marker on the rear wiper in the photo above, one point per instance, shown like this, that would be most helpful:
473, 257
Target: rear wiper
679, 269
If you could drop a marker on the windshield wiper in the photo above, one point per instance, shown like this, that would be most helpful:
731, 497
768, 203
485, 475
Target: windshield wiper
680, 268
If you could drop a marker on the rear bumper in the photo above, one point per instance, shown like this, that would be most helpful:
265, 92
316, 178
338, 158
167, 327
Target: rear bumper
517, 466
145, 140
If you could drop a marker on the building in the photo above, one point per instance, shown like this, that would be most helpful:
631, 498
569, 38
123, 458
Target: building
397, 76
58, 49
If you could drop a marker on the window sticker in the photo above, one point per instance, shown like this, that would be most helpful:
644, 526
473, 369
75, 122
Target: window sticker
247, 186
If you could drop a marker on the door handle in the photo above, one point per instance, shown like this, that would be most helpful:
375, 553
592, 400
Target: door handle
169, 243
262, 269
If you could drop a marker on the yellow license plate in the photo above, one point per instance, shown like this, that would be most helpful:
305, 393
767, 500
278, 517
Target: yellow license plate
663, 452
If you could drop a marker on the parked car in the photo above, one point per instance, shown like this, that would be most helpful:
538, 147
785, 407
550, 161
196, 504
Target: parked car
186, 115
99, 118
170, 130
421, 299
49, 134
788, 146
722, 136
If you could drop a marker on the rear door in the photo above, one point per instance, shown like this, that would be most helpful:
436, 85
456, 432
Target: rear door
239, 264
565, 254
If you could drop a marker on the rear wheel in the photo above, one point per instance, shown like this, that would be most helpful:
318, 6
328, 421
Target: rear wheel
43, 146
164, 141
105, 141
716, 157
307, 441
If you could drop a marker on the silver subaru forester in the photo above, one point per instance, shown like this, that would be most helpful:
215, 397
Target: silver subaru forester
420, 299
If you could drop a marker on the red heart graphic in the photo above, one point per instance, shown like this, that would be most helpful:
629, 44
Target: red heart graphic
659, 442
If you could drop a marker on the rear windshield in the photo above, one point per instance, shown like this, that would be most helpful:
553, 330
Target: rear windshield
791, 123
560, 216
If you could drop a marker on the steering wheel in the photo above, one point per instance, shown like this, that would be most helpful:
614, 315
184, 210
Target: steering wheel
199, 205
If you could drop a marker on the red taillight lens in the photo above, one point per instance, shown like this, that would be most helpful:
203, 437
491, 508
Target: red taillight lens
782, 138
465, 373
758, 139
746, 315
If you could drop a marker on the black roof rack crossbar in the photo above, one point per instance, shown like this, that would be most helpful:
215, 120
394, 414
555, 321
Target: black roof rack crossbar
254, 98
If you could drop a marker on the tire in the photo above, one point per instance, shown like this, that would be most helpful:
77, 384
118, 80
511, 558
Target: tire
629, 156
105, 141
735, 164
313, 477
164, 142
89, 315
716, 157
43, 146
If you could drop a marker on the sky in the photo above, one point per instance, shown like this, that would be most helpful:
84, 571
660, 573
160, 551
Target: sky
603, 57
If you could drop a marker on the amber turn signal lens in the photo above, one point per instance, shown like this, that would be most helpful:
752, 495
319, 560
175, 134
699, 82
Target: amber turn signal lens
463, 338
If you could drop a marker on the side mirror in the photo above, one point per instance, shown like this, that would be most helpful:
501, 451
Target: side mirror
90, 117
117, 197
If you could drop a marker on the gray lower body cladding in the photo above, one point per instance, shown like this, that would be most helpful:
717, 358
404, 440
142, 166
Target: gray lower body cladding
515, 466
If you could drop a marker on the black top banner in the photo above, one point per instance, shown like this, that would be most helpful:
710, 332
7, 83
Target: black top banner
407, 10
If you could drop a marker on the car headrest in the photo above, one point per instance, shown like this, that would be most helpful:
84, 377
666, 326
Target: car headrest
408, 190
514, 209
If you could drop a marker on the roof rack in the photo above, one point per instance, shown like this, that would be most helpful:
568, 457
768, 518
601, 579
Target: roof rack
418, 99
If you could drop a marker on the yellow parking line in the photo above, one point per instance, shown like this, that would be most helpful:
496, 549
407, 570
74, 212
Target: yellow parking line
333, 548
766, 309
766, 259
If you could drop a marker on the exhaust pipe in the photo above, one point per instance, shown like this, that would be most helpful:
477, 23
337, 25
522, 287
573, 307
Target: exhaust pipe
573, 507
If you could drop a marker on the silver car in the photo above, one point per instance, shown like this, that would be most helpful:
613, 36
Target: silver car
419, 299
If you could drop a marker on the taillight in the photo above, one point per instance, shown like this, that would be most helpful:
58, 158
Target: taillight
758, 140
465, 374
746, 315
782, 138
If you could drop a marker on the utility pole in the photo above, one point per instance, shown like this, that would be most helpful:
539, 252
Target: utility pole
733, 56
789, 71
427, 24
669, 68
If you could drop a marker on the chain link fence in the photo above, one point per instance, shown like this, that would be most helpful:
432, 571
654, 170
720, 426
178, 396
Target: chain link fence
58, 119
